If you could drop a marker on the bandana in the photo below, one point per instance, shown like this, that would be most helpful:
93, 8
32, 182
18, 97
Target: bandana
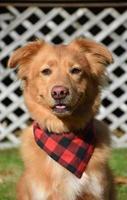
72, 150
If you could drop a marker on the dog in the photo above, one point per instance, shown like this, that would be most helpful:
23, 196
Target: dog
66, 150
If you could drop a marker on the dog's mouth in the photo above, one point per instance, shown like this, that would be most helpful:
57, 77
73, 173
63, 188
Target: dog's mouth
60, 108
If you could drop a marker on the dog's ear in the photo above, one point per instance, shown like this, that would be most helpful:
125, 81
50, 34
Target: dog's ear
23, 55
98, 55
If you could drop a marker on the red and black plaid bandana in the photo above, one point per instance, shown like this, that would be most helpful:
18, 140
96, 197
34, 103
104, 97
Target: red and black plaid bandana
72, 150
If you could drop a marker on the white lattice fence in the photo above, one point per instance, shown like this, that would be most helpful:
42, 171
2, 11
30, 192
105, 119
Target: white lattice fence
19, 25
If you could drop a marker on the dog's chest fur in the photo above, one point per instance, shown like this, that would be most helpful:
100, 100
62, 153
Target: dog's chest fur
66, 186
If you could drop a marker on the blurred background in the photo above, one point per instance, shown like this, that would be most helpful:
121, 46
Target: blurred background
60, 22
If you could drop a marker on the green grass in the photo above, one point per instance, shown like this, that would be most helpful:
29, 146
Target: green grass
11, 168
118, 164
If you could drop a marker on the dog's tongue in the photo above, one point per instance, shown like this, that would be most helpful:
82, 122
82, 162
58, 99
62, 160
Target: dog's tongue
60, 106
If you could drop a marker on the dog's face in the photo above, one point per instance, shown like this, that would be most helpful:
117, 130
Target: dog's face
62, 78
59, 78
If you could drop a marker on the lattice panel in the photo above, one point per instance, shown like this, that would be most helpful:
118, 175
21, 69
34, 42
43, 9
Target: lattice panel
22, 24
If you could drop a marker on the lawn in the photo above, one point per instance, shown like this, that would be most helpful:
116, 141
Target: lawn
11, 167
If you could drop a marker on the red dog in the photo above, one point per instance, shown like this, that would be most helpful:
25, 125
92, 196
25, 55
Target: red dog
66, 150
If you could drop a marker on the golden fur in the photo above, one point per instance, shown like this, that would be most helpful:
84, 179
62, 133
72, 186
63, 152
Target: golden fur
80, 67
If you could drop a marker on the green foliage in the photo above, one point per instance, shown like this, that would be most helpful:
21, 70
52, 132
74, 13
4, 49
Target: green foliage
11, 168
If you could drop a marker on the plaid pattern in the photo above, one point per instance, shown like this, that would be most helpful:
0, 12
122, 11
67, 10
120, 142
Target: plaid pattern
72, 150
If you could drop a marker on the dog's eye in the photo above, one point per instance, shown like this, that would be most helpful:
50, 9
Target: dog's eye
46, 71
75, 70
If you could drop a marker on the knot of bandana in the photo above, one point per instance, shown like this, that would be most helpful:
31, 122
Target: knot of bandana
71, 150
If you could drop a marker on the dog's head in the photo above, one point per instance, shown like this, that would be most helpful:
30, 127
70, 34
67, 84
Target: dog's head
64, 79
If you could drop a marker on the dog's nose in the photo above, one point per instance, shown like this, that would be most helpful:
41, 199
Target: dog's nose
59, 92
